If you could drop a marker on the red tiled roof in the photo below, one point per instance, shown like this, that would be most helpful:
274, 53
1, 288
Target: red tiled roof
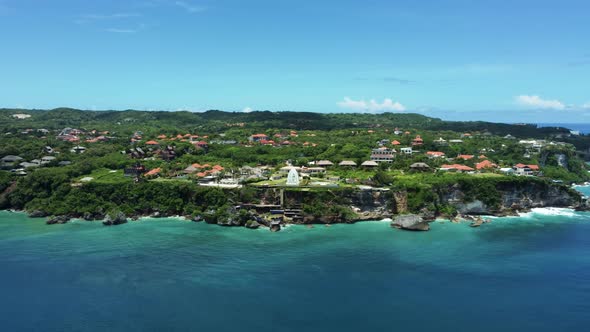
259, 135
465, 156
396, 142
154, 171
458, 167
152, 143
485, 164
435, 153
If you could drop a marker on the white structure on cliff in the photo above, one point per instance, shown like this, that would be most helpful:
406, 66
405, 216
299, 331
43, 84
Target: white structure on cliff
293, 178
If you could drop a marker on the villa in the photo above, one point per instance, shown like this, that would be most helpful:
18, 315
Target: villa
383, 155
526, 170
435, 154
258, 137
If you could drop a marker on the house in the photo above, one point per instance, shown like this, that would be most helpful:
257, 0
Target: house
465, 156
397, 131
258, 138
369, 164
406, 150
28, 165
486, 164
161, 136
507, 170
383, 155
135, 170
154, 172
440, 141
466, 135
383, 142
47, 159
457, 168
455, 141
435, 154
10, 159
152, 143
347, 163
313, 170
324, 163
201, 144
420, 167
526, 170
417, 141
21, 116
266, 142
78, 149
395, 143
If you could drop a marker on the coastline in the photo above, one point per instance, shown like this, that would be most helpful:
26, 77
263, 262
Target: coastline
463, 219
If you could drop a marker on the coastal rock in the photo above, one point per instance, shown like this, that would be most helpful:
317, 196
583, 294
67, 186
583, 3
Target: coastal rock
427, 215
88, 216
37, 214
115, 219
197, 218
410, 222
275, 226
57, 220
253, 224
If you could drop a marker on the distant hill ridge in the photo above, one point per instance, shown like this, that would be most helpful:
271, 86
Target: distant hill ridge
218, 120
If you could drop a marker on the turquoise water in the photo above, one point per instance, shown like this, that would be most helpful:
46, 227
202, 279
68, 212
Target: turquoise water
514, 274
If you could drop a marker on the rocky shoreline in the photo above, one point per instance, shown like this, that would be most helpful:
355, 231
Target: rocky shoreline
410, 222
275, 208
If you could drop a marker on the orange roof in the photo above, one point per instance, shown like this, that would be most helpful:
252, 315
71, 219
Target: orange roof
206, 166
152, 143
458, 167
435, 153
370, 131
465, 156
259, 135
153, 171
162, 136
534, 167
396, 142
485, 164
197, 165
520, 165
201, 174
483, 157
218, 168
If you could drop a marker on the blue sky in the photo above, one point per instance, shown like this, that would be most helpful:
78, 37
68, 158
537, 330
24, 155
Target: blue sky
500, 60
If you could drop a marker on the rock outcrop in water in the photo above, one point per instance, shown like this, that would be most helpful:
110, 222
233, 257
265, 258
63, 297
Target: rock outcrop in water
411, 222
57, 220
113, 219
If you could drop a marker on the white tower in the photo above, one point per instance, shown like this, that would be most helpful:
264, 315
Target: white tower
293, 178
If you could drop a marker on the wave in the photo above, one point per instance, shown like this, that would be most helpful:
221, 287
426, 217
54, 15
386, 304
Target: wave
550, 211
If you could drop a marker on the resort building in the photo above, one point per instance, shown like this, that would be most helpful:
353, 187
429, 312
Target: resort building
383, 155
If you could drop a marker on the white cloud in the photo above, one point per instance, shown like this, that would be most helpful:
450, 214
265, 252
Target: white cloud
538, 102
247, 110
371, 105
189, 7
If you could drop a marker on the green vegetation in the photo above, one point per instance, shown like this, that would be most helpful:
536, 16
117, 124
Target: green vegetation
94, 181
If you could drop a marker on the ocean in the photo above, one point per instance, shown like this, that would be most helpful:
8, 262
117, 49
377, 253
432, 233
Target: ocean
514, 274
583, 128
